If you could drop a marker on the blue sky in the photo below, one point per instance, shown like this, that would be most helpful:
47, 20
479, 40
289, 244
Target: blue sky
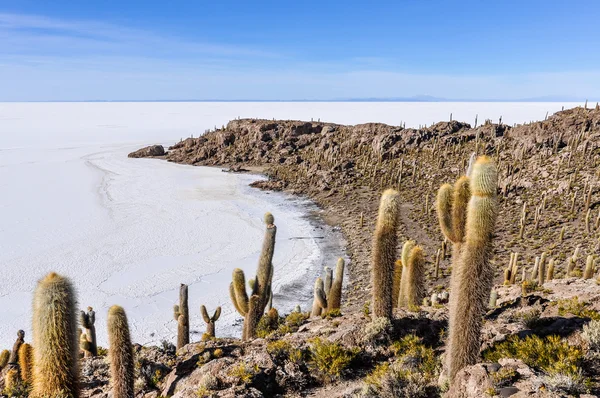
150, 50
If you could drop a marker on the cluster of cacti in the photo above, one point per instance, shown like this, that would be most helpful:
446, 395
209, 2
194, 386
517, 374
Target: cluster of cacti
472, 274
210, 320
327, 295
319, 298
182, 316
252, 308
385, 242
412, 285
87, 340
120, 353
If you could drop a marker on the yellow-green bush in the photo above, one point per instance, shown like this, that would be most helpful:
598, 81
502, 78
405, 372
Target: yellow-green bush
329, 359
244, 372
550, 354
282, 350
575, 307
411, 350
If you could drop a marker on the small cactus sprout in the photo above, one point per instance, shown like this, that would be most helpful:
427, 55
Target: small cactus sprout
210, 321
120, 353
589, 268
26, 362
493, 298
55, 356
319, 300
88, 342
261, 292
182, 316
298, 309
14, 355
334, 297
4, 357
550, 272
384, 253
472, 277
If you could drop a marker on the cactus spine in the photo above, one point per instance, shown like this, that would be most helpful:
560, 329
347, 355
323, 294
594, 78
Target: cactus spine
334, 297
56, 353
210, 321
320, 299
120, 353
88, 339
384, 253
14, 355
26, 362
182, 316
252, 308
472, 278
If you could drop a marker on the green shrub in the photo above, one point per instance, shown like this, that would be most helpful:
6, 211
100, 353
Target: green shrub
413, 354
575, 307
550, 354
244, 372
282, 350
330, 359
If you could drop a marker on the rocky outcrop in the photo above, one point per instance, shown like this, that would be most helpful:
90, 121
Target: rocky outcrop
147, 152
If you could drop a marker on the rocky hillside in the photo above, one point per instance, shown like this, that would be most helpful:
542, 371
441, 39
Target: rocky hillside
539, 340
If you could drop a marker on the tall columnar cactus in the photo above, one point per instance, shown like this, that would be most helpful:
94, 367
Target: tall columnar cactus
14, 355
550, 272
385, 242
415, 276
589, 271
328, 280
261, 286
542, 269
319, 299
120, 353
403, 294
56, 353
26, 362
472, 277
397, 282
210, 321
4, 358
88, 339
182, 316
334, 298
452, 211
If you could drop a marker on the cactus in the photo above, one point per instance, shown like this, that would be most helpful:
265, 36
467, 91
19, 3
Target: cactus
589, 268
56, 353
182, 316
297, 309
384, 253
26, 362
493, 299
415, 279
507, 276
210, 321
14, 355
328, 281
406, 250
473, 276
4, 357
452, 210
261, 285
11, 381
319, 300
542, 269
397, 282
88, 339
550, 272
120, 353
334, 298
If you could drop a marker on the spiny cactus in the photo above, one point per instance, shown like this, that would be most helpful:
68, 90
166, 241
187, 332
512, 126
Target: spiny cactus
319, 300
26, 362
4, 358
472, 278
11, 380
589, 268
56, 353
261, 285
414, 278
452, 210
182, 316
542, 269
334, 297
88, 341
550, 272
507, 272
493, 299
328, 281
384, 254
210, 321
14, 355
406, 250
397, 281
120, 353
